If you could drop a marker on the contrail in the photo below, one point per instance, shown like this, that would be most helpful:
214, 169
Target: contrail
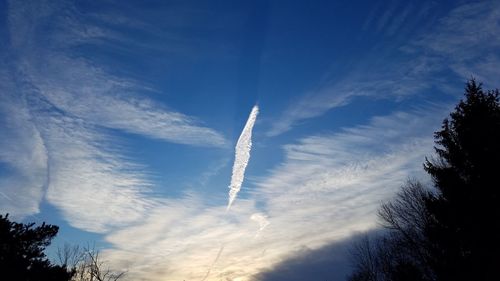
242, 155
213, 263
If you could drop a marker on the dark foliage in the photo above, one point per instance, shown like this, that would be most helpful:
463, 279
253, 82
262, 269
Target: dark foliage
451, 232
21, 252
466, 213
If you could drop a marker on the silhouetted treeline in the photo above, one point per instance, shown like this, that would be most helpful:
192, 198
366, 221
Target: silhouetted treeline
449, 231
22, 255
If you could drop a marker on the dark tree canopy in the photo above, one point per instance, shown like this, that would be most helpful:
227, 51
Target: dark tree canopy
22, 255
451, 232
466, 212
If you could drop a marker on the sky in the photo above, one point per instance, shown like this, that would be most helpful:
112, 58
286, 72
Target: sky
227, 140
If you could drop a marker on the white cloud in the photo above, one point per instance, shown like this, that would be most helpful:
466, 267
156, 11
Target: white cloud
93, 187
22, 154
317, 103
57, 108
262, 220
79, 87
51, 155
465, 32
465, 40
242, 156
328, 187
102, 99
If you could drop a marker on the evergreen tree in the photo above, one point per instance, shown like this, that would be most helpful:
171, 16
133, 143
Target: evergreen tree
449, 233
466, 210
22, 255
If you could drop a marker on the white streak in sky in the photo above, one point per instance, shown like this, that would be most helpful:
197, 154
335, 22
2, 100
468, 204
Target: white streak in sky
242, 155
213, 263
262, 220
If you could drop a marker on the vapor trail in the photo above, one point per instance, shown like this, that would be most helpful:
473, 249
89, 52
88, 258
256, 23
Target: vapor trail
242, 155
213, 263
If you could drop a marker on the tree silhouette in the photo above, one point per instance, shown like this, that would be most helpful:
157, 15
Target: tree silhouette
466, 211
400, 253
87, 264
21, 252
449, 233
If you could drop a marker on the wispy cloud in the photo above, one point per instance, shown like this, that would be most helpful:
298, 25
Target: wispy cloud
82, 88
399, 19
53, 155
341, 93
22, 154
85, 177
242, 156
386, 17
104, 100
59, 107
464, 42
328, 187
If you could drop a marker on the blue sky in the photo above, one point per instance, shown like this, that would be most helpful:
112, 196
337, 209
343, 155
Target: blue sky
120, 121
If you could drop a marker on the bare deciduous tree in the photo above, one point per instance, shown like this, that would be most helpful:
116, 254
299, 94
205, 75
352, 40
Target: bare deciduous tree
399, 254
87, 264
449, 233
